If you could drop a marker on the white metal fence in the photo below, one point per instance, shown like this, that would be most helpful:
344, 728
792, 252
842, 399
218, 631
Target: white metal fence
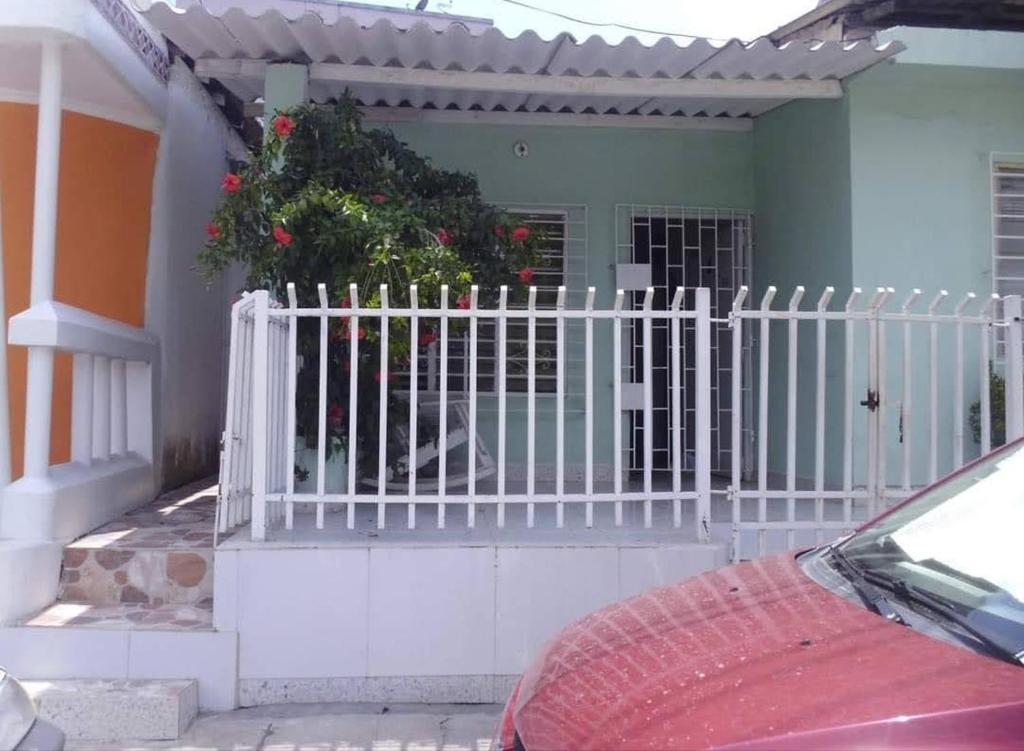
869, 413
840, 432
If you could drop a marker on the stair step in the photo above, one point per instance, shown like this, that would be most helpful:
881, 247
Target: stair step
147, 576
110, 710
124, 616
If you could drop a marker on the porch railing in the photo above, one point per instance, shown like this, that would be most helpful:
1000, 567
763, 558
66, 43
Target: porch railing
115, 378
263, 426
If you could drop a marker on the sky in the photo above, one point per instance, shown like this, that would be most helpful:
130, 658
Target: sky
722, 19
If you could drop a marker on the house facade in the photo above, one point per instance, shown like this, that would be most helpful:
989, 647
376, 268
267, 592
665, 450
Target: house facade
787, 268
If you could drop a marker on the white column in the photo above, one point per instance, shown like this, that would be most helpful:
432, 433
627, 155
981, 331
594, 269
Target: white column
81, 409
5, 417
39, 391
101, 408
118, 408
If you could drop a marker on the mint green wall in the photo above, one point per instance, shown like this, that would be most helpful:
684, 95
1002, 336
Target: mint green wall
802, 186
599, 168
921, 138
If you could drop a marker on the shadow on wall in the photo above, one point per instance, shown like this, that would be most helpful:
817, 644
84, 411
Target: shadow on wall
185, 460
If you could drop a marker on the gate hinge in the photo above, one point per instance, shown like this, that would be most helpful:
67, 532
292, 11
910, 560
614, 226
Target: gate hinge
872, 401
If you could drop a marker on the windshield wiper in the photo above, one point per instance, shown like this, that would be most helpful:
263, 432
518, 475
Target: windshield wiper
868, 592
922, 597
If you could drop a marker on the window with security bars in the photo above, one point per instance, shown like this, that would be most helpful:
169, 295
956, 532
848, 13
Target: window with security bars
1007, 230
561, 261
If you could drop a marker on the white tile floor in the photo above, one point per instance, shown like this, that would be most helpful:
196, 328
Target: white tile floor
331, 727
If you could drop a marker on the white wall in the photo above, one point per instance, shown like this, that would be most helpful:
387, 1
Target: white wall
440, 623
187, 315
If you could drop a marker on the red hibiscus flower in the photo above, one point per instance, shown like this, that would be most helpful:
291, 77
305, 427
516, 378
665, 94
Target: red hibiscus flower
282, 236
526, 275
212, 231
283, 125
335, 415
346, 330
231, 183
346, 302
521, 234
427, 338
499, 230
444, 237
378, 198
463, 302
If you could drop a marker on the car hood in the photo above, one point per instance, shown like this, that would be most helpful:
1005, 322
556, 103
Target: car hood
752, 651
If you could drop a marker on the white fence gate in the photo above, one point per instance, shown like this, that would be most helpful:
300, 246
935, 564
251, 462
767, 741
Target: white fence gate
839, 430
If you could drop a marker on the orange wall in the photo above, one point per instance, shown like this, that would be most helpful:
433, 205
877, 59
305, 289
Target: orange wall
106, 180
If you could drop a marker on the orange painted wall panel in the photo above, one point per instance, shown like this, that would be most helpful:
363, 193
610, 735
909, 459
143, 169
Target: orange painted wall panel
106, 181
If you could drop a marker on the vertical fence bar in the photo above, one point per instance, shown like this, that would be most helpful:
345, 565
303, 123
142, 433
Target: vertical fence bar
883, 404
352, 458
702, 442
906, 407
933, 386
273, 417
958, 383
531, 403
474, 294
762, 418
984, 341
1014, 344
819, 408
442, 437
849, 341
239, 509
588, 404
648, 360
677, 398
292, 369
560, 407
230, 437
872, 415
383, 373
261, 322
736, 436
414, 391
792, 344
502, 396
321, 414
620, 296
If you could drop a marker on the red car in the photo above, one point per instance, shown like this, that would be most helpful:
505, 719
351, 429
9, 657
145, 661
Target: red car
907, 634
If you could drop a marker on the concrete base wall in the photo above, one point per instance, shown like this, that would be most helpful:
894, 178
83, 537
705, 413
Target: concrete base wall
440, 623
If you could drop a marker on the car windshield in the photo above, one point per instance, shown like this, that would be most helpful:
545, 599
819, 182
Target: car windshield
960, 544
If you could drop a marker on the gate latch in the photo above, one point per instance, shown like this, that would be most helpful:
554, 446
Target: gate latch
872, 401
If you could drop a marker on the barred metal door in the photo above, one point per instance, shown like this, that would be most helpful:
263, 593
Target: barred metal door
666, 248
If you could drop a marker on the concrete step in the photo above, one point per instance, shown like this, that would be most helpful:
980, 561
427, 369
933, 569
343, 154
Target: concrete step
108, 710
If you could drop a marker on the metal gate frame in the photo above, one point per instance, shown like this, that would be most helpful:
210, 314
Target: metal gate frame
876, 489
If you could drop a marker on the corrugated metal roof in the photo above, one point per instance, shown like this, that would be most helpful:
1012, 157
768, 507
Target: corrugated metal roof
323, 33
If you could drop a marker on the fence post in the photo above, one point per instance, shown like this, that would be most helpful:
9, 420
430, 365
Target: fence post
702, 442
261, 324
1014, 343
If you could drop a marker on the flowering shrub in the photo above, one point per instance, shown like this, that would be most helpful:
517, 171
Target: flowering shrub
327, 201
